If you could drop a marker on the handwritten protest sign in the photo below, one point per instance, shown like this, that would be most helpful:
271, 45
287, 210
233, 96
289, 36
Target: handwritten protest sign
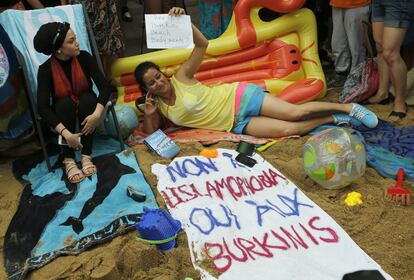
164, 31
253, 223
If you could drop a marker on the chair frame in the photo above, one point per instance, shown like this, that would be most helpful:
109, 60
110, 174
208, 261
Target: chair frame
35, 114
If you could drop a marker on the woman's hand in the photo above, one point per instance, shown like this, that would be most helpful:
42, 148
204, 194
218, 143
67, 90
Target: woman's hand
151, 104
73, 139
176, 11
90, 123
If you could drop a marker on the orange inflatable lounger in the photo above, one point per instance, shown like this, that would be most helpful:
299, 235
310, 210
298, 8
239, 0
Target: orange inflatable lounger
280, 55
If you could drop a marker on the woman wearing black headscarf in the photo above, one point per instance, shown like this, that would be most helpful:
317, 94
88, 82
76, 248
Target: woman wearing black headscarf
65, 94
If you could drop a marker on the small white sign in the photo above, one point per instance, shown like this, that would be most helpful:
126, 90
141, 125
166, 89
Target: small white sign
165, 31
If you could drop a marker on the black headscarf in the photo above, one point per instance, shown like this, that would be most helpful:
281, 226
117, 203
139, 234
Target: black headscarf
50, 37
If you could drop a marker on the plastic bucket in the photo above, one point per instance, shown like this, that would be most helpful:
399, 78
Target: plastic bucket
158, 227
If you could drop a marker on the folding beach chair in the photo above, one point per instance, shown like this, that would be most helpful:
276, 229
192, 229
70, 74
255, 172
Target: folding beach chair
21, 26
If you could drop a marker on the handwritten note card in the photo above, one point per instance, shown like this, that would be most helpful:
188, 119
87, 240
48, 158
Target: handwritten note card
253, 223
164, 31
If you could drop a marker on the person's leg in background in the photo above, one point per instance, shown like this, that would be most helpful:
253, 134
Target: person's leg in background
352, 21
325, 27
323, 14
396, 16
340, 48
391, 44
383, 71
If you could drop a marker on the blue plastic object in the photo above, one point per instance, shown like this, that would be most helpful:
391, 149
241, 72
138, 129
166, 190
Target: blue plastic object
158, 227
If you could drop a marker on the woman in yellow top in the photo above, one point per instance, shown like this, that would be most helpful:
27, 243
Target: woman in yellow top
238, 107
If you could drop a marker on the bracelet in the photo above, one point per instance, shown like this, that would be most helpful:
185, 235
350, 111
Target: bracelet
62, 131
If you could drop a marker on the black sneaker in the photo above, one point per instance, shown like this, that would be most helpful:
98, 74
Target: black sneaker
126, 15
337, 81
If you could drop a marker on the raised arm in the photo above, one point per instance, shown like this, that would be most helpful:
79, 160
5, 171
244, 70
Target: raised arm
186, 72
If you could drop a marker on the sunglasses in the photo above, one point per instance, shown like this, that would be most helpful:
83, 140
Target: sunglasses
62, 27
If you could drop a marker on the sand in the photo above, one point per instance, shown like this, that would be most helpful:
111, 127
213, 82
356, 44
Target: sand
382, 229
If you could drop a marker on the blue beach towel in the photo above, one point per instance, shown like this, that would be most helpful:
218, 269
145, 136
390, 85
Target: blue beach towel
56, 217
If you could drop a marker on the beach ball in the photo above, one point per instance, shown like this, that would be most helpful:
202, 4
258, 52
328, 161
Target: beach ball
127, 120
334, 158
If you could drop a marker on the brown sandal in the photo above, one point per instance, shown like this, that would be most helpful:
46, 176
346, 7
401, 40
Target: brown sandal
72, 170
87, 165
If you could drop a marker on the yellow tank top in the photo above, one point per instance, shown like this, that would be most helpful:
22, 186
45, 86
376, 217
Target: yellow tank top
201, 106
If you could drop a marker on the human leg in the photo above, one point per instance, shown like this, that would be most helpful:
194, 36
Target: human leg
352, 23
398, 15
392, 39
383, 71
87, 104
66, 112
269, 127
340, 48
276, 108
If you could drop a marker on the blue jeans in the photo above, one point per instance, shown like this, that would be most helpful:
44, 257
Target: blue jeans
394, 13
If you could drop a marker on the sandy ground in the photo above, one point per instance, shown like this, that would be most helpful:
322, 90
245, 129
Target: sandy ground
383, 230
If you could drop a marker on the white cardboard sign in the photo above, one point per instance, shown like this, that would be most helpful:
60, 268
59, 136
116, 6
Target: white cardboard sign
253, 223
164, 31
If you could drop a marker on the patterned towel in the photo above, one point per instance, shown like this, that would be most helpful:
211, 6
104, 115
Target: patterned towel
56, 217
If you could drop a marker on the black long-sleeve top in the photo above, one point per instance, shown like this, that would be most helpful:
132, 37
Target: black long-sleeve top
45, 88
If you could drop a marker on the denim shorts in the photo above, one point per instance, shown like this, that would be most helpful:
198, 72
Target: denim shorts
249, 100
394, 13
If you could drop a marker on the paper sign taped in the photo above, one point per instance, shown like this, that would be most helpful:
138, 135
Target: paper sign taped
165, 31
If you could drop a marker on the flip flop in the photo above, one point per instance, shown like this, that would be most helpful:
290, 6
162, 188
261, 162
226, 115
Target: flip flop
399, 115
